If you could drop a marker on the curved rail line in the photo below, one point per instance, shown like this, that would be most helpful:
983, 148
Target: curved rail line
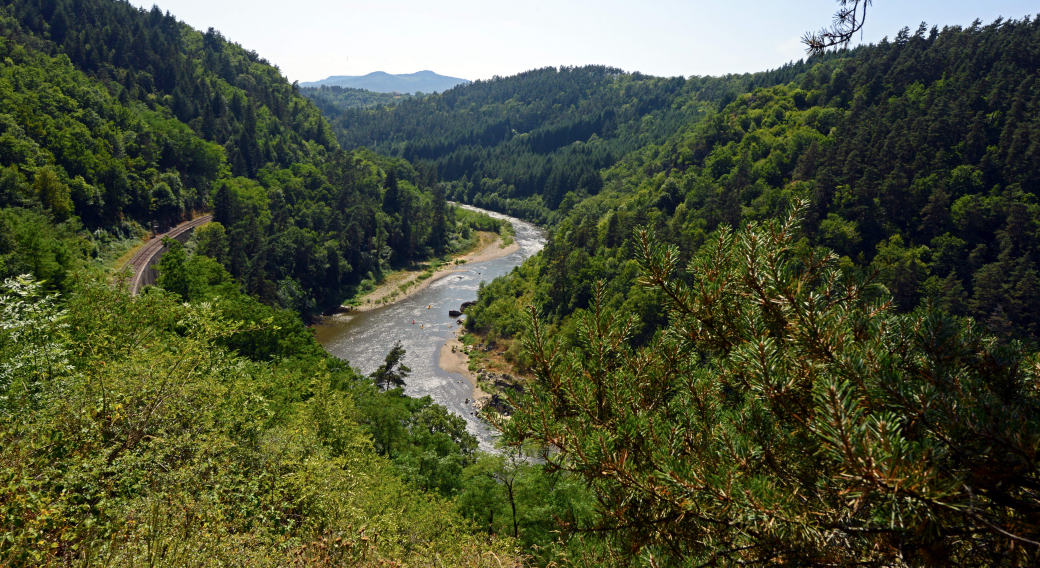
146, 258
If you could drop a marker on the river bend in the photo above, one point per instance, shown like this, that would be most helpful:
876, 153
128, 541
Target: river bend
363, 338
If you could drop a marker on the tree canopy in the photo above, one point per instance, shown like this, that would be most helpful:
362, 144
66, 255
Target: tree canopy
716, 381
915, 156
789, 414
393, 372
520, 144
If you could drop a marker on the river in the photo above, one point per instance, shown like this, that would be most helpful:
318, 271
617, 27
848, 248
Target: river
363, 338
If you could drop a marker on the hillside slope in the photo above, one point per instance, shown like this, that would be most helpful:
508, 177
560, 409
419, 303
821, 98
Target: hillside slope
522, 142
156, 121
199, 422
919, 157
225, 93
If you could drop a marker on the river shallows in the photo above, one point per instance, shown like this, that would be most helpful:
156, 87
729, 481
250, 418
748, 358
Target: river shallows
364, 338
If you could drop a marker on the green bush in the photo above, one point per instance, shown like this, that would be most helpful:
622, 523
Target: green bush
789, 413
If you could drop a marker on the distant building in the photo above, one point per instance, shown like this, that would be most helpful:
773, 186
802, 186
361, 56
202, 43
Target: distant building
396, 94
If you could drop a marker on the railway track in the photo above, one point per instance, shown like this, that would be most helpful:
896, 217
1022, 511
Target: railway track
149, 255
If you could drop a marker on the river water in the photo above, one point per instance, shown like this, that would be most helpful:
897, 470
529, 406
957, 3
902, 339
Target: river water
364, 338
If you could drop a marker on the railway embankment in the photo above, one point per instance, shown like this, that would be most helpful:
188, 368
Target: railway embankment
148, 256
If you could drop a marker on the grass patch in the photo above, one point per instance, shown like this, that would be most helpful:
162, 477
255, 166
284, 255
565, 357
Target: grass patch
113, 250
115, 256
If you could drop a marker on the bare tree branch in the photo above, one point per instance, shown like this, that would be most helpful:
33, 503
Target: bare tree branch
848, 20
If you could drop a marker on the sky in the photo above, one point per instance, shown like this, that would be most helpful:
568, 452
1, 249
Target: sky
478, 39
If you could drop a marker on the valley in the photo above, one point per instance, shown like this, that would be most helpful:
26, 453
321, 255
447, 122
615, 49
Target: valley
782, 317
362, 337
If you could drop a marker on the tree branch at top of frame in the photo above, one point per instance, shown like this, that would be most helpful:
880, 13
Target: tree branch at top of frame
848, 20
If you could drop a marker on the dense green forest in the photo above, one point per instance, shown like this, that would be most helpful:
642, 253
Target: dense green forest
520, 144
787, 317
226, 94
918, 157
200, 423
118, 141
332, 101
802, 329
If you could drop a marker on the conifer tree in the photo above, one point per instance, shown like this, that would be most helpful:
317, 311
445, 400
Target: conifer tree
439, 228
789, 414
392, 372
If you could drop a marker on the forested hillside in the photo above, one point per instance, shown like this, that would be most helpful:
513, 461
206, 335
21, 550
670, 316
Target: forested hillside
752, 347
157, 120
301, 237
520, 144
781, 317
99, 159
199, 423
332, 101
918, 157
225, 93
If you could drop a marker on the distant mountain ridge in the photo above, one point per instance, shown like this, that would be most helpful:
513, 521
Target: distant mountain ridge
382, 82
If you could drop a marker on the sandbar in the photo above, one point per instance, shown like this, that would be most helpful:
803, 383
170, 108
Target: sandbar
458, 362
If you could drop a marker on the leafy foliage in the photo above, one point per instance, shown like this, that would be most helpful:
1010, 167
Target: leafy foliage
30, 243
776, 403
303, 223
306, 236
226, 94
333, 100
130, 435
73, 148
790, 414
520, 144
905, 152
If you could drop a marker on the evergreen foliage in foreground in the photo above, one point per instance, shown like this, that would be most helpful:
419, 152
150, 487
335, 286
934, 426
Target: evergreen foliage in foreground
790, 415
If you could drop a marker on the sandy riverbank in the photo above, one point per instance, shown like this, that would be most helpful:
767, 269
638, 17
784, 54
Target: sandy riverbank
490, 248
456, 361
389, 292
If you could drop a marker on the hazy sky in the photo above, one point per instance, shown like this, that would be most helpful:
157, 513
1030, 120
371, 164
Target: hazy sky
476, 39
